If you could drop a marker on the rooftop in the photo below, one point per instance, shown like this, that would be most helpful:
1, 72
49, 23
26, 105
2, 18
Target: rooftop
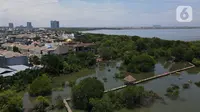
8, 74
2, 70
22, 36
18, 67
80, 44
47, 46
129, 78
10, 54
24, 47
12, 70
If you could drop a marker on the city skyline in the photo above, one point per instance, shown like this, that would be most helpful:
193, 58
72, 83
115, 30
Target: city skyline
29, 24
95, 13
57, 25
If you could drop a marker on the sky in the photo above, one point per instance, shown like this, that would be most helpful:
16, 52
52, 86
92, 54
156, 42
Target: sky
96, 13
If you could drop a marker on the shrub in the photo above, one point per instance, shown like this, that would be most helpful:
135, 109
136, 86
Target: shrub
197, 84
172, 92
186, 86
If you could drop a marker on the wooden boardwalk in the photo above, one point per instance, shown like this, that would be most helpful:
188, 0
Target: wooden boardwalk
67, 105
151, 78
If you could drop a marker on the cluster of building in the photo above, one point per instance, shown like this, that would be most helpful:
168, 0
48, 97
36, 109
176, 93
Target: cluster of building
28, 26
39, 42
39, 49
53, 24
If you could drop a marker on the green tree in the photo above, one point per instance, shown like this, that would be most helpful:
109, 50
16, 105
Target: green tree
67, 68
87, 58
53, 64
36, 38
41, 86
196, 61
143, 63
41, 104
106, 53
59, 103
128, 55
101, 105
34, 60
133, 95
86, 89
196, 48
117, 99
141, 45
10, 101
189, 55
20, 80
16, 49
72, 59
72, 63
178, 53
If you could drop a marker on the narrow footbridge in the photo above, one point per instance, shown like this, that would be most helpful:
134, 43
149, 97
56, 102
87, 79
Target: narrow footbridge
67, 105
151, 78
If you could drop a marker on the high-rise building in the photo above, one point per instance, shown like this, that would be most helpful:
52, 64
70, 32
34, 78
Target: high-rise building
52, 24
55, 24
11, 25
29, 25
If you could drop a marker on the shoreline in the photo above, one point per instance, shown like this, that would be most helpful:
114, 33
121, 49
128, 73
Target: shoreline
164, 34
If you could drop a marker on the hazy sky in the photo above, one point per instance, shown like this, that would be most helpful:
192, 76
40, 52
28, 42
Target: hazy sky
95, 12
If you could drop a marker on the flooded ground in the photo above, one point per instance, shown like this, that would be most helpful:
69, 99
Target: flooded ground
188, 100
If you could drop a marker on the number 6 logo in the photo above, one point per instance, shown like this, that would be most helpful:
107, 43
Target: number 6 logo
184, 14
